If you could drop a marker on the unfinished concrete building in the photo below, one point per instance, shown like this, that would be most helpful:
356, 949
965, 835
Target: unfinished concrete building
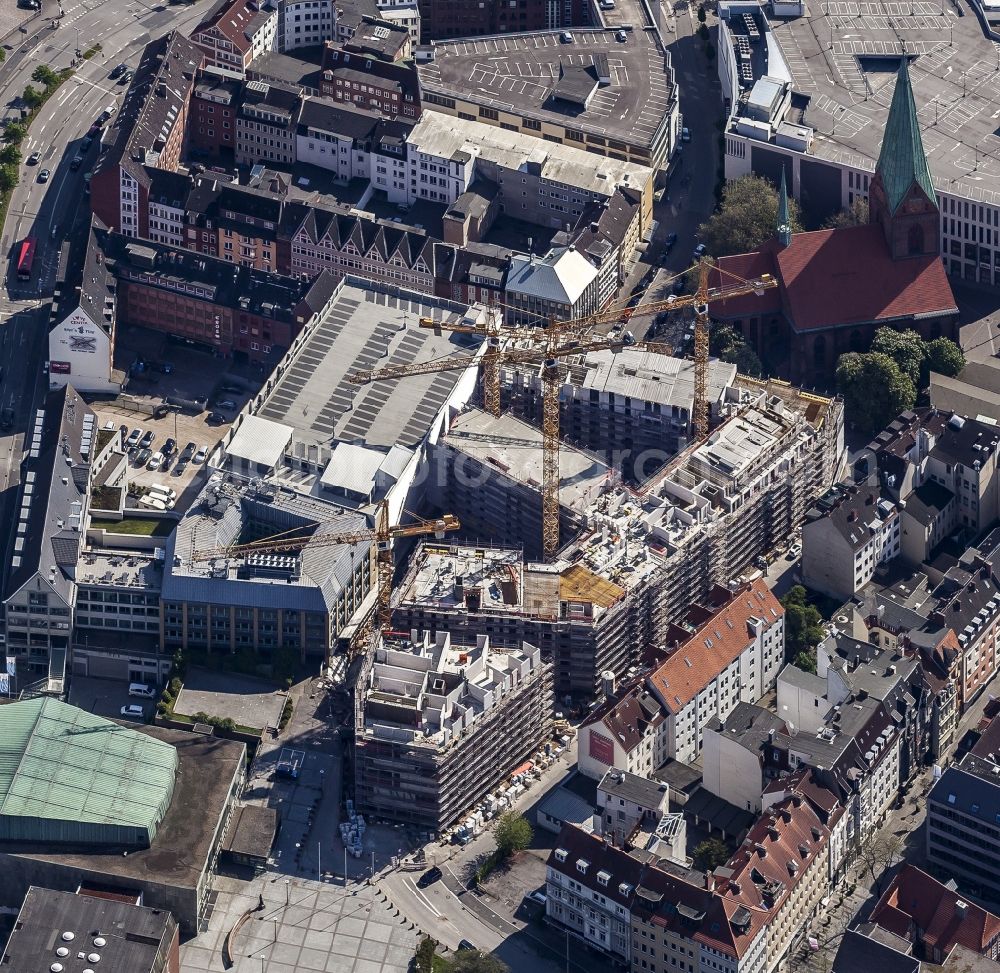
631, 407
592, 616
437, 725
702, 521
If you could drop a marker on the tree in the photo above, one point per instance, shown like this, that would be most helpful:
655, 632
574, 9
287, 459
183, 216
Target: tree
710, 854
473, 961
15, 132
512, 833
10, 155
8, 178
44, 75
854, 215
905, 348
803, 624
875, 391
32, 97
806, 661
878, 853
423, 959
703, 32
747, 218
945, 357
3, 55
727, 343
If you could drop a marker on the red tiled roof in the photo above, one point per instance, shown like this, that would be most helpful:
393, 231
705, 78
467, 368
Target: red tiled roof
232, 21
626, 718
837, 277
716, 643
915, 897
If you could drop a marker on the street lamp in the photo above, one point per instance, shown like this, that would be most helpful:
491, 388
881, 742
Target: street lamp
287, 884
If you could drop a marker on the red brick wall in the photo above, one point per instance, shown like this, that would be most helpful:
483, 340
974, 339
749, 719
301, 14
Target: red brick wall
206, 128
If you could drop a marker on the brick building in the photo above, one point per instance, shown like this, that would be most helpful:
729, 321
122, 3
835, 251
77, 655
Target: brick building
386, 87
235, 34
212, 117
148, 133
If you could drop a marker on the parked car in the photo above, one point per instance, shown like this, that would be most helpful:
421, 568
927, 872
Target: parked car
43, 176
225, 404
235, 389
464, 944
699, 251
147, 439
566, 37
143, 455
169, 446
133, 438
794, 551
125, 78
76, 162
538, 896
429, 877
670, 241
620, 36
155, 462
685, 135
186, 453
133, 712
86, 144
216, 419
201, 455
34, 158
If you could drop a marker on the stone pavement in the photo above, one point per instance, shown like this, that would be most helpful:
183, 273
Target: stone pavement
323, 927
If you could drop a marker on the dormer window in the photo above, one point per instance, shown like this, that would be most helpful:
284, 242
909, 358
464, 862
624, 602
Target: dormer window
560, 854
603, 878
582, 865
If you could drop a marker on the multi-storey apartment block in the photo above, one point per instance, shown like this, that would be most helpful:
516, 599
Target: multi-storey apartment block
235, 34
438, 725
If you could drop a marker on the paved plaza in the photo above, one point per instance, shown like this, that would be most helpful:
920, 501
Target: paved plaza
323, 927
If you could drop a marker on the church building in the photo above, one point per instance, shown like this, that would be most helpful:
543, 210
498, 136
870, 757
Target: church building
835, 287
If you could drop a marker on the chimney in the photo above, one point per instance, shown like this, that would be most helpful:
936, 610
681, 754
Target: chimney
961, 908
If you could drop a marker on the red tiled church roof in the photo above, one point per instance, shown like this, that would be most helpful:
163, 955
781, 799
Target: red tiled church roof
830, 278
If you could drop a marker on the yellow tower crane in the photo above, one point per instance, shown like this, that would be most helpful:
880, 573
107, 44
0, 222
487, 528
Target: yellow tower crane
562, 339
382, 534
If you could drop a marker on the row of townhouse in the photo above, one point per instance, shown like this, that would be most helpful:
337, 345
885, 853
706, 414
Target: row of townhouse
721, 653
744, 918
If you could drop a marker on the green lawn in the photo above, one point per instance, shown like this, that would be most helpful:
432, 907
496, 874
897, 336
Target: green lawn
133, 525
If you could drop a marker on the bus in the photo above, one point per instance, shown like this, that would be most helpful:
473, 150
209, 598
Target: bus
25, 259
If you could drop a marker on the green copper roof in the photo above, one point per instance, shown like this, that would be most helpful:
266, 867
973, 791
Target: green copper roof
902, 161
69, 776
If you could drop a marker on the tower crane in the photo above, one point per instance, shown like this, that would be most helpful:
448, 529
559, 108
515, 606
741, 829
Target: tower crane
382, 534
562, 339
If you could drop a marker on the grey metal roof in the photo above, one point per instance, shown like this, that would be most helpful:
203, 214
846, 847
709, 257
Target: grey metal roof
970, 788
367, 327
568, 808
259, 441
859, 954
630, 787
560, 277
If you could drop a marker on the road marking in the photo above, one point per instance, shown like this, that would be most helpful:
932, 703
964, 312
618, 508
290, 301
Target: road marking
423, 898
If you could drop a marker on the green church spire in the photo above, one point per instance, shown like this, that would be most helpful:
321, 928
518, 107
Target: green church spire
784, 223
902, 161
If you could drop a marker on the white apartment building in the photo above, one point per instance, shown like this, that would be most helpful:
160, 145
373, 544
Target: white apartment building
405, 13
303, 23
237, 33
624, 734
722, 654
847, 534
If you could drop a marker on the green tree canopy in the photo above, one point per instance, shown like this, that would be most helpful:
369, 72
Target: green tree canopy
875, 391
32, 97
854, 215
710, 854
44, 75
803, 624
806, 661
747, 218
945, 357
10, 155
8, 177
727, 343
473, 961
906, 348
15, 132
423, 959
512, 833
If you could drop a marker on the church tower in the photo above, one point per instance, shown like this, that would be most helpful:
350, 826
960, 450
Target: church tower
784, 223
901, 198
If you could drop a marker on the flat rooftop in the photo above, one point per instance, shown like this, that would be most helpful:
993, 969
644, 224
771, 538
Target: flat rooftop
519, 74
366, 328
739, 444
843, 57
446, 137
515, 448
122, 569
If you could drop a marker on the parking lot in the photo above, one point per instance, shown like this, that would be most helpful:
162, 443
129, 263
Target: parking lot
106, 697
201, 393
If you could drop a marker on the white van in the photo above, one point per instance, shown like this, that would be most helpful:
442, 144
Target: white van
141, 689
152, 502
164, 491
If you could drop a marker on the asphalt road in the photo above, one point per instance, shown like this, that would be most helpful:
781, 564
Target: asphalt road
48, 211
